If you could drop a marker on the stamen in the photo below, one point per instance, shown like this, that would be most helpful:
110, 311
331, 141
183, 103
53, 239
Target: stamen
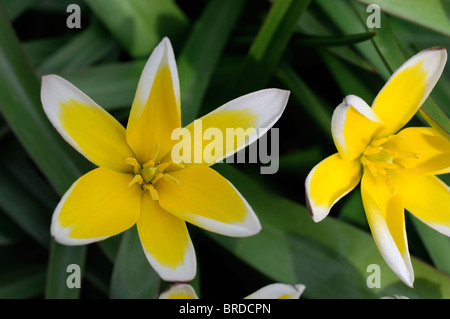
163, 166
136, 179
389, 184
133, 162
410, 155
370, 150
158, 146
148, 173
170, 179
178, 165
152, 190
150, 163
157, 177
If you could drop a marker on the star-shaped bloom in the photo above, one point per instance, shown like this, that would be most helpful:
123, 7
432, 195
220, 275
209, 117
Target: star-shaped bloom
138, 182
396, 168
272, 291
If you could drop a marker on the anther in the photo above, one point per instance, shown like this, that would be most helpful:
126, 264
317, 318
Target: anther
153, 192
133, 162
170, 179
136, 179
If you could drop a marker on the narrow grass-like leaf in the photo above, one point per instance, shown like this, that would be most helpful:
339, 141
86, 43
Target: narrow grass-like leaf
268, 46
112, 86
140, 24
133, 277
202, 51
84, 49
309, 102
346, 19
25, 282
15, 8
21, 107
57, 272
432, 14
334, 40
330, 257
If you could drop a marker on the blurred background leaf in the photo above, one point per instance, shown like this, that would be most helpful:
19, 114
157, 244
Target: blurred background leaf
319, 50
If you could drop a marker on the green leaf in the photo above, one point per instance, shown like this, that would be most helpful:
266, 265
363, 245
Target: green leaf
139, 25
432, 14
347, 20
14, 8
333, 40
84, 49
330, 257
21, 107
268, 46
112, 86
60, 258
133, 277
202, 51
24, 282
305, 97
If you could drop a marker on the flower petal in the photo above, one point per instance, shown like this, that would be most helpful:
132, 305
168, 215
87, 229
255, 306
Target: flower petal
233, 126
421, 149
329, 181
155, 112
427, 198
206, 199
98, 205
85, 125
166, 242
278, 291
385, 214
353, 125
406, 90
179, 291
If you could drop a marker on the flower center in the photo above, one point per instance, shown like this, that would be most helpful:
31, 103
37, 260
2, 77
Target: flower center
379, 159
147, 175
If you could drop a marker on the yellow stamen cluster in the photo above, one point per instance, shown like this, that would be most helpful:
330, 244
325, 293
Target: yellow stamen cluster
378, 159
147, 175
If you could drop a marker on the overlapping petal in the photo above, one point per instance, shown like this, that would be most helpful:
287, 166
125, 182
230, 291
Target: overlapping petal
385, 214
85, 125
353, 125
155, 112
426, 197
179, 291
230, 127
406, 90
206, 199
278, 291
166, 242
328, 182
98, 205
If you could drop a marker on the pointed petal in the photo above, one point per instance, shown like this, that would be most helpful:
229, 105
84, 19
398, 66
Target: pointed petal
234, 125
353, 125
421, 149
385, 214
329, 181
406, 90
206, 199
427, 198
179, 291
278, 291
98, 205
155, 112
84, 125
166, 242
